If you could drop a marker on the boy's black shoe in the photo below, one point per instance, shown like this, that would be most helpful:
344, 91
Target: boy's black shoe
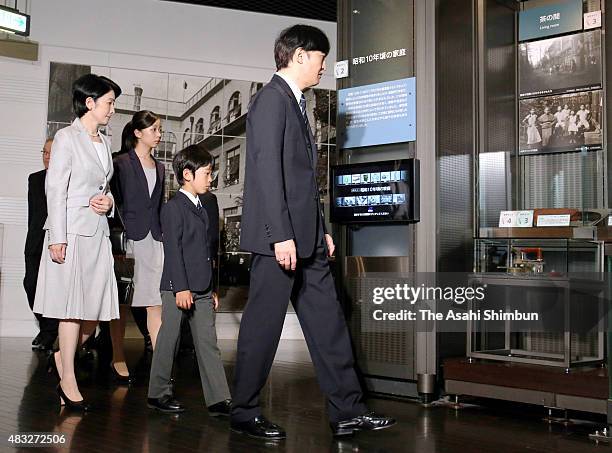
165, 404
220, 409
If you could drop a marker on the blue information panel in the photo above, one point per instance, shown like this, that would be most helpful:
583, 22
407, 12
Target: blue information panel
551, 20
377, 114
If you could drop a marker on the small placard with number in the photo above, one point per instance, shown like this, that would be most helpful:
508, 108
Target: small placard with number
592, 20
558, 220
341, 69
515, 219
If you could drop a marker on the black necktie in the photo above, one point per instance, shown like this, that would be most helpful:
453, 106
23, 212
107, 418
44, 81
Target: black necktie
199, 205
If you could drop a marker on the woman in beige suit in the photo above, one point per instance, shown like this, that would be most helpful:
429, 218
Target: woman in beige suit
76, 283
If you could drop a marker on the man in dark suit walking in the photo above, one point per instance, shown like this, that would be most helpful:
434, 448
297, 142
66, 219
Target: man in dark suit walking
282, 225
37, 214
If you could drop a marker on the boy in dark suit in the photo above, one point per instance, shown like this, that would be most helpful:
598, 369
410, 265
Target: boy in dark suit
187, 288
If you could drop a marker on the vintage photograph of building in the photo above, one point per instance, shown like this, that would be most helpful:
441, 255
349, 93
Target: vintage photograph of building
210, 111
560, 65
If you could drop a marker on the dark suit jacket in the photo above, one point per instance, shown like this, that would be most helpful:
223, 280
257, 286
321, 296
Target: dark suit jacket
281, 198
139, 211
209, 202
187, 260
37, 213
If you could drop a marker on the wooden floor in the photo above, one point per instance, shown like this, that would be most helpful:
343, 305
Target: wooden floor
122, 422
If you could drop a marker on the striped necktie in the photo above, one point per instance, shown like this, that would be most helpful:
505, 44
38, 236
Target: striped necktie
303, 108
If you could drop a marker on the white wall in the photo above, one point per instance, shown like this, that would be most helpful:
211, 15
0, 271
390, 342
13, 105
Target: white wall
136, 34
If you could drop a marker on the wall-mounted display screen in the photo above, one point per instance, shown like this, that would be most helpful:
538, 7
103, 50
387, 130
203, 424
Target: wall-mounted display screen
567, 122
559, 65
385, 191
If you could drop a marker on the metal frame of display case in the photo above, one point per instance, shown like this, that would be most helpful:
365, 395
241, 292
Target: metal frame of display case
510, 354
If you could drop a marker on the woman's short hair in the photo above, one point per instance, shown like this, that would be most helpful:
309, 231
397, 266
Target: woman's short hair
305, 36
91, 86
190, 158
141, 120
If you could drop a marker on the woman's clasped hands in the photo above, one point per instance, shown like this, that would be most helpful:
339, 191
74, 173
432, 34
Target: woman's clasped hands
101, 204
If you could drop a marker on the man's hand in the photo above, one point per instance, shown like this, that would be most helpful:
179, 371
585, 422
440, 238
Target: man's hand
184, 299
215, 299
58, 253
331, 247
286, 256
101, 204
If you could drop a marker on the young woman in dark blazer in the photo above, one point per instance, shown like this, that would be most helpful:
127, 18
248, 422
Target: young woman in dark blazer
138, 185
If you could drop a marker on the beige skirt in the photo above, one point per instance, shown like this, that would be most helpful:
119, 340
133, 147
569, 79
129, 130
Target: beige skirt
148, 266
84, 286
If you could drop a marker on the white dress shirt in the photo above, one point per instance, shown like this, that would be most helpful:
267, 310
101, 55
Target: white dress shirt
102, 154
294, 88
195, 200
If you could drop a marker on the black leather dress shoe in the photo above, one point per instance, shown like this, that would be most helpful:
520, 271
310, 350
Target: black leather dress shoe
165, 404
260, 428
47, 345
37, 342
220, 409
42, 347
366, 422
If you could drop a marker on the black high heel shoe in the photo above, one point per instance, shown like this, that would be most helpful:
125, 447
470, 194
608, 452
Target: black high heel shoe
68, 403
127, 380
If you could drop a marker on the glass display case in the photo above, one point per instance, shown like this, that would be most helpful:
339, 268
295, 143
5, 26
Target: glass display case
562, 279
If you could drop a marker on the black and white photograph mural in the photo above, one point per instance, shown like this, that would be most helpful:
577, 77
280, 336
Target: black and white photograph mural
560, 65
569, 122
59, 107
198, 110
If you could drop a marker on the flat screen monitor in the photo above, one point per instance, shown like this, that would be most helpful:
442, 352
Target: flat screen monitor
386, 191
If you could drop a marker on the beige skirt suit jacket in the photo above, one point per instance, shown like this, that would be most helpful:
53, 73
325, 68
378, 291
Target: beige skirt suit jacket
84, 286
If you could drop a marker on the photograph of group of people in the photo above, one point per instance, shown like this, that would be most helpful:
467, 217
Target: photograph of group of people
561, 123
561, 104
560, 65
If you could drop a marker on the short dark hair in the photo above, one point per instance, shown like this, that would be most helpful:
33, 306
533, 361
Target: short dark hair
190, 158
141, 120
91, 86
304, 36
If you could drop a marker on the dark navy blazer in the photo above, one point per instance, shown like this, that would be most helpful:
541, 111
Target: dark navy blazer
187, 260
37, 213
209, 202
281, 198
139, 211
